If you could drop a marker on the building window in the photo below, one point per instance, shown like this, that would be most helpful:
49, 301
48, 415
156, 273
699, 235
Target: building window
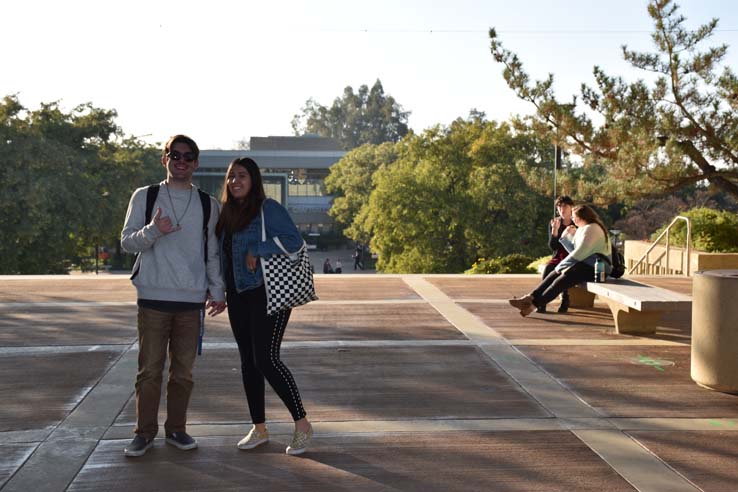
307, 182
210, 182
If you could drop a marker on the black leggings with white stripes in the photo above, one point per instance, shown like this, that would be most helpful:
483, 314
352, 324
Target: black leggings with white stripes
259, 338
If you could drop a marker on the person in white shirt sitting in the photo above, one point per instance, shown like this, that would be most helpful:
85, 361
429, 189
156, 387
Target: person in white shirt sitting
584, 242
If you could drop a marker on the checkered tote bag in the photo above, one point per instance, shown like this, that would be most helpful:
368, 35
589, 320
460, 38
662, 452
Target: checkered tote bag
288, 278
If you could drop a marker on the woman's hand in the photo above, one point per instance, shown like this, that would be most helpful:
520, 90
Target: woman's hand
214, 308
251, 262
571, 230
555, 224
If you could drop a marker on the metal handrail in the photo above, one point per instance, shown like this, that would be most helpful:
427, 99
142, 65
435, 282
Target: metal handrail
655, 243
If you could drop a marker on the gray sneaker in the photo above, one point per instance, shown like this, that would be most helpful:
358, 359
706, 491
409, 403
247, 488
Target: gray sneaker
181, 440
138, 446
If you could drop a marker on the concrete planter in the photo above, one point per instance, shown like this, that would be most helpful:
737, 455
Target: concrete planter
715, 330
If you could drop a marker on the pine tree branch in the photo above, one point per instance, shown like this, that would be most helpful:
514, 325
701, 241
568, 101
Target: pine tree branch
679, 101
710, 172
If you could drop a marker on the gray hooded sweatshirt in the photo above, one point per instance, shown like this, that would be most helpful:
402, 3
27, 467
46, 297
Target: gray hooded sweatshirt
172, 266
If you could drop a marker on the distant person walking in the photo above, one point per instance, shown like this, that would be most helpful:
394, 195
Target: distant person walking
175, 281
258, 335
555, 228
327, 268
357, 256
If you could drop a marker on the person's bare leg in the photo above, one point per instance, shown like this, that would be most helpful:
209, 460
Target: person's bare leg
302, 425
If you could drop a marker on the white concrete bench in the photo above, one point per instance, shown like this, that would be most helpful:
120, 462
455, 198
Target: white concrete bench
636, 307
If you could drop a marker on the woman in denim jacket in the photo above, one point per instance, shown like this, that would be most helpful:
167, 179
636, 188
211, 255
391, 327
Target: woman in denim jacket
258, 336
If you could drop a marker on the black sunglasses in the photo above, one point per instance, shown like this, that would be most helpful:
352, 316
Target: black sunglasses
176, 156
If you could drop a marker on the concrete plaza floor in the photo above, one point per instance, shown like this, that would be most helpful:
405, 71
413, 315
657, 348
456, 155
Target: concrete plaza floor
413, 382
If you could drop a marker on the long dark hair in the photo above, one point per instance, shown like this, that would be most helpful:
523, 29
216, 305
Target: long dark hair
235, 215
588, 215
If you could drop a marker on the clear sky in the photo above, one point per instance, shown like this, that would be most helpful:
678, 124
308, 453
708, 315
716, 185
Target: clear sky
222, 71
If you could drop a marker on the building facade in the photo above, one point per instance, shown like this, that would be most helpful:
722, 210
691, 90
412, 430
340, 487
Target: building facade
294, 170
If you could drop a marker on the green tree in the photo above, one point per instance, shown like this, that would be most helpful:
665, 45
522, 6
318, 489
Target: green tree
350, 181
355, 118
454, 194
654, 139
514, 263
642, 218
125, 166
714, 231
64, 176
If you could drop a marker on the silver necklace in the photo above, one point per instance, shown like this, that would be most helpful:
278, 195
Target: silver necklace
174, 212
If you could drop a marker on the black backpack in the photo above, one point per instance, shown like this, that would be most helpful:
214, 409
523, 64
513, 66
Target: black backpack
617, 263
153, 191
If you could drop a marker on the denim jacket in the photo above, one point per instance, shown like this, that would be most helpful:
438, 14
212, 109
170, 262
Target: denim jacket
278, 224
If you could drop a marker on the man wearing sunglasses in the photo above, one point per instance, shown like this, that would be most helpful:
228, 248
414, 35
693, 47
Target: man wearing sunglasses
177, 277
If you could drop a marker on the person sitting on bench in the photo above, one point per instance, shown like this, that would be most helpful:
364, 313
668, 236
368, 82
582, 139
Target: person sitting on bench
584, 242
555, 229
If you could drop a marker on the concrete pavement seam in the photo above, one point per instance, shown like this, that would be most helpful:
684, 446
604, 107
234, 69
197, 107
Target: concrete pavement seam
59, 457
530, 342
634, 462
541, 386
629, 458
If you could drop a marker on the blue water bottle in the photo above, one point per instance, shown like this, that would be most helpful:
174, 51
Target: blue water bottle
599, 270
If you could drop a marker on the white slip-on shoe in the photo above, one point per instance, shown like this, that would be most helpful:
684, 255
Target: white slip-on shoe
253, 438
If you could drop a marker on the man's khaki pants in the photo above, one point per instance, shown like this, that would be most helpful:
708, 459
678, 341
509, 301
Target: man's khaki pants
158, 330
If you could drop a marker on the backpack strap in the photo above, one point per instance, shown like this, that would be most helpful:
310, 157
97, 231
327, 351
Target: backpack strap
205, 201
151, 195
